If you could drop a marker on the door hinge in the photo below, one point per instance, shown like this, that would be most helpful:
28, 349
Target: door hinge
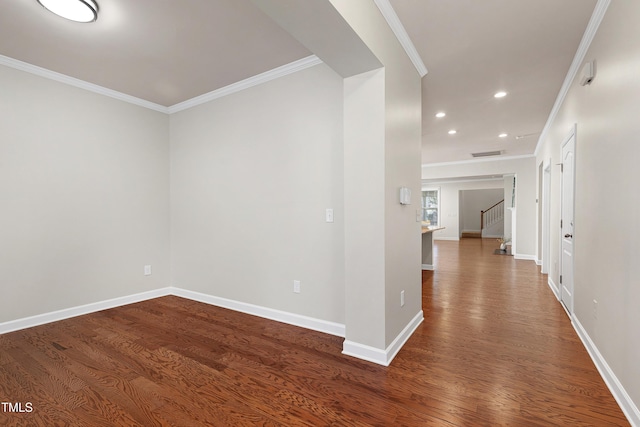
560, 223
561, 279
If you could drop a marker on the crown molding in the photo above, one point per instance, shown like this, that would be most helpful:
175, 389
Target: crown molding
590, 32
482, 160
426, 183
276, 73
72, 81
401, 34
282, 71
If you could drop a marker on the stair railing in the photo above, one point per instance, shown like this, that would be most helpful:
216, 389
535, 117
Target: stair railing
492, 215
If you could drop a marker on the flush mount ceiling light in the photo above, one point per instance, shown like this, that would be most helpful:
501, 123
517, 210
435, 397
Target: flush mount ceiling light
503, 135
74, 10
500, 94
453, 132
440, 115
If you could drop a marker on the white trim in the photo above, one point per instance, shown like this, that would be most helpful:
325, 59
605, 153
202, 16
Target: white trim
456, 239
378, 356
72, 81
524, 257
319, 325
428, 181
481, 160
629, 408
538, 262
54, 316
554, 288
276, 73
267, 76
364, 352
404, 336
546, 215
428, 267
398, 29
590, 32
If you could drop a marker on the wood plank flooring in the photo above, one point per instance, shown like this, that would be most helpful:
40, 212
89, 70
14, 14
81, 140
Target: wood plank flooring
496, 349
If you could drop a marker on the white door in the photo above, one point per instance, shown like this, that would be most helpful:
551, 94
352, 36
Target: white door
566, 237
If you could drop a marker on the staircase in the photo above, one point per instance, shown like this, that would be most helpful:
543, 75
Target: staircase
492, 221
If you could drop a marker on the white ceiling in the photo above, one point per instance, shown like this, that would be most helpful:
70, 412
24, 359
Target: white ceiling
472, 49
168, 51
162, 51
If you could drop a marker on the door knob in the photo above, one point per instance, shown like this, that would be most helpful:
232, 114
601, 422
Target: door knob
568, 236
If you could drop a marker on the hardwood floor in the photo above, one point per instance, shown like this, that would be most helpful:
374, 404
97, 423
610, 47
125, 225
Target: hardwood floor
495, 349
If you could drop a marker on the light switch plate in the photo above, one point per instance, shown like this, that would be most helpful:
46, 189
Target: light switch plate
329, 215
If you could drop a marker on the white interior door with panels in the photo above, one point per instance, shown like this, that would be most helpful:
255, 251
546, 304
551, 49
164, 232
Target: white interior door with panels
566, 222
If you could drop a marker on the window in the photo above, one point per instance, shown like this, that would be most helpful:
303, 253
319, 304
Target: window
431, 206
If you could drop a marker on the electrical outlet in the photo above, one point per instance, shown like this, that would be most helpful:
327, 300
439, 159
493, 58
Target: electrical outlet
418, 215
595, 309
401, 298
296, 286
147, 270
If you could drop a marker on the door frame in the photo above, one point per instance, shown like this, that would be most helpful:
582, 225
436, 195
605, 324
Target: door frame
546, 215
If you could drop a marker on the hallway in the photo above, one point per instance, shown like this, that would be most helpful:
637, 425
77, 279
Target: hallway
497, 343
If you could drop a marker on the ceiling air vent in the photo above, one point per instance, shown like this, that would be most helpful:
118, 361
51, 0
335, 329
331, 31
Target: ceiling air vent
487, 154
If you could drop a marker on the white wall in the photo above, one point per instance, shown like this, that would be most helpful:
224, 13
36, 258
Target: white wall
251, 176
401, 167
85, 197
472, 202
525, 170
239, 211
607, 229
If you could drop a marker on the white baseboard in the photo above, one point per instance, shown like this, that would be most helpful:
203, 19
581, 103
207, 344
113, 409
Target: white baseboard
446, 238
268, 313
629, 408
491, 236
538, 262
555, 289
54, 316
319, 325
379, 356
427, 267
525, 257
365, 352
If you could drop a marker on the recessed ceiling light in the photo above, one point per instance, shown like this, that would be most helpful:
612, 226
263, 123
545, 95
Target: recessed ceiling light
440, 115
452, 132
74, 10
503, 135
500, 94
